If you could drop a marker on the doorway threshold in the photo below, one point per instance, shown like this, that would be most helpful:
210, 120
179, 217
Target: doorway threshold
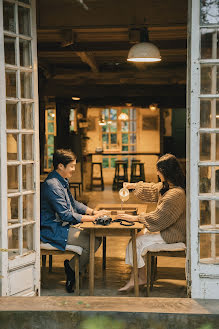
107, 312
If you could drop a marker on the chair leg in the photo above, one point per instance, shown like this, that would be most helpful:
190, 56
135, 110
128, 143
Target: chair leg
43, 260
148, 273
50, 263
92, 174
77, 276
101, 174
104, 253
75, 192
152, 271
155, 268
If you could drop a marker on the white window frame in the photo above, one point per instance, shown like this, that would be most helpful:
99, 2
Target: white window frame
30, 262
202, 278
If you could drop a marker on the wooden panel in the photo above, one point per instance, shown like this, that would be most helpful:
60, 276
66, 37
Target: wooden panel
111, 13
21, 280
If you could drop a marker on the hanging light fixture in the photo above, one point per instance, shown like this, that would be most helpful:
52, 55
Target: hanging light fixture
144, 51
102, 121
153, 107
123, 116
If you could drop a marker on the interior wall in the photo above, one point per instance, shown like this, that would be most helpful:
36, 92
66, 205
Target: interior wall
148, 141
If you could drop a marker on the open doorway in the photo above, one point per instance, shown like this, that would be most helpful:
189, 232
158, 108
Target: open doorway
108, 109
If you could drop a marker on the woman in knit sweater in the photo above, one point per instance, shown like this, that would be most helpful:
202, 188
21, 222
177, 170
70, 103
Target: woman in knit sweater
167, 224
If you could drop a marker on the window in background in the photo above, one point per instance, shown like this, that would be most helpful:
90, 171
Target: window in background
119, 133
50, 133
72, 120
110, 129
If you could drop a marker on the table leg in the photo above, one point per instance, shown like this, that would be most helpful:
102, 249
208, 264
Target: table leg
135, 265
148, 273
91, 268
104, 253
77, 275
50, 263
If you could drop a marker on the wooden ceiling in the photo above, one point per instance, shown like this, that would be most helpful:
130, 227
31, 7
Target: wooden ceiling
83, 47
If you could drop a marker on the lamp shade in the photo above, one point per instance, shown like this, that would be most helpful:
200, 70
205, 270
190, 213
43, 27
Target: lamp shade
123, 116
144, 52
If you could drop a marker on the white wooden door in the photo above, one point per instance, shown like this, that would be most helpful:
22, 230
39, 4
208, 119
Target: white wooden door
19, 150
203, 149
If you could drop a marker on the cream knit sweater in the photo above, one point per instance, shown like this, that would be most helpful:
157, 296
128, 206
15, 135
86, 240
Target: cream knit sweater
170, 215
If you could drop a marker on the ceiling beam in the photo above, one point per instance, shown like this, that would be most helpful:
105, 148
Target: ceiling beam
151, 76
89, 59
103, 46
163, 101
57, 88
175, 28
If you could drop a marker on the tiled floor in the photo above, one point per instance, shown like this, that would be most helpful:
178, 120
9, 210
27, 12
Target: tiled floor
171, 271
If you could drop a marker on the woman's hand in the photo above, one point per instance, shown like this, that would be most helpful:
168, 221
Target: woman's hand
129, 186
131, 218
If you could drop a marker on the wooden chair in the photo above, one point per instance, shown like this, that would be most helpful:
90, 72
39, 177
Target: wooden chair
74, 251
151, 254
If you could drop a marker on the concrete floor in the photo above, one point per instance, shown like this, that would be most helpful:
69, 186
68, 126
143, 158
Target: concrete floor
171, 271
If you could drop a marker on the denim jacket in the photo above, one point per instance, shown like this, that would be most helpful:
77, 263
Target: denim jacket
58, 210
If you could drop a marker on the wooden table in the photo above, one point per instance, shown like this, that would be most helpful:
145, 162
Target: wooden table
114, 229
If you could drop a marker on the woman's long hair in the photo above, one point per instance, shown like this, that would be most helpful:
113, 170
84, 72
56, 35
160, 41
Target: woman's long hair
170, 168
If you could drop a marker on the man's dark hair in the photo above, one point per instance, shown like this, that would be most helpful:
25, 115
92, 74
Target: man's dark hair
63, 156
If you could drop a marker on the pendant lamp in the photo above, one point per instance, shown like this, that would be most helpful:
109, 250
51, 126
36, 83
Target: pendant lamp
144, 51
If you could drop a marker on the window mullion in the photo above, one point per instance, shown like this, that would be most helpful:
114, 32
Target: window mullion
214, 45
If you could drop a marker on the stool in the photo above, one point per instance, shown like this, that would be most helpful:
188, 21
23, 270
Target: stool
167, 250
76, 186
119, 179
136, 166
74, 251
100, 178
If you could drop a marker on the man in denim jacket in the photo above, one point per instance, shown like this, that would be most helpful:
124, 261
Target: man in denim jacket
59, 210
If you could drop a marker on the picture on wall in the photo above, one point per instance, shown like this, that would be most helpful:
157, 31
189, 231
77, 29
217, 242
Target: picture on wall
149, 123
91, 123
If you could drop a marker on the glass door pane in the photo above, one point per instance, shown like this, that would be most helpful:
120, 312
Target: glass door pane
13, 211
9, 16
13, 242
11, 116
24, 20
10, 56
13, 185
25, 53
11, 83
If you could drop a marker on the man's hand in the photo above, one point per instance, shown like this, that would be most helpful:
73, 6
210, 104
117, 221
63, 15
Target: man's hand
129, 186
102, 212
131, 218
